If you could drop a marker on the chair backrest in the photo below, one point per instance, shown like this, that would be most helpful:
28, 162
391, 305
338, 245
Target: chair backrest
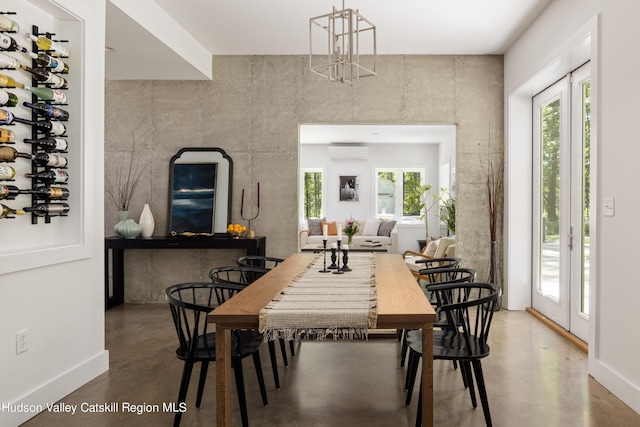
259, 261
190, 303
236, 274
469, 308
439, 262
448, 275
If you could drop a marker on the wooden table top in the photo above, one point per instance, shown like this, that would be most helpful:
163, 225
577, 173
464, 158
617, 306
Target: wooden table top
401, 302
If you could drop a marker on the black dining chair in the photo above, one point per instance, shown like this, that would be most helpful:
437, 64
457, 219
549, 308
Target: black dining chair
190, 303
433, 276
469, 308
259, 261
244, 276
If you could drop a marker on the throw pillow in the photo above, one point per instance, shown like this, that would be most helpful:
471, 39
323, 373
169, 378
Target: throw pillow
315, 226
332, 229
386, 227
431, 248
371, 227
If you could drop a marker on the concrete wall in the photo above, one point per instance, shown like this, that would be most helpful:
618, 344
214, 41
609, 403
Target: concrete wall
252, 109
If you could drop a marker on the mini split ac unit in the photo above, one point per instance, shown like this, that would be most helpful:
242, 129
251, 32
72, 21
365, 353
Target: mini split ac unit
348, 152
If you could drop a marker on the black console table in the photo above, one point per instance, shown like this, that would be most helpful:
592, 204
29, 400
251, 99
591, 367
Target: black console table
114, 248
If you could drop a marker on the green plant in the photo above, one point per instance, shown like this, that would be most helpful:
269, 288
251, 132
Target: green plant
448, 210
421, 197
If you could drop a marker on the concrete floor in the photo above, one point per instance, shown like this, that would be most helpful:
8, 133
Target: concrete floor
533, 377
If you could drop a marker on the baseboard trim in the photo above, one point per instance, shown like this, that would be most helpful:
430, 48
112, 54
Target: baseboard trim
56, 389
559, 330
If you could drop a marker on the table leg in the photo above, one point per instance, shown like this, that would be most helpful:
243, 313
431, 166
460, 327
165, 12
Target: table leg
427, 376
223, 376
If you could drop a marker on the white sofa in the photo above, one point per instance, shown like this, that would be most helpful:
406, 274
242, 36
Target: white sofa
386, 233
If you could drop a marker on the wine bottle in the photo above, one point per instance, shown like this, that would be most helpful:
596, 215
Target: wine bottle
47, 110
8, 24
49, 159
52, 176
49, 144
42, 75
60, 193
9, 192
47, 61
6, 117
9, 43
6, 211
7, 173
7, 98
47, 94
47, 44
54, 128
9, 154
7, 136
7, 61
49, 209
6, 81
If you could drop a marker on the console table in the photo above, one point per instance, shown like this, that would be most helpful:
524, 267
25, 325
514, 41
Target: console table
114, 248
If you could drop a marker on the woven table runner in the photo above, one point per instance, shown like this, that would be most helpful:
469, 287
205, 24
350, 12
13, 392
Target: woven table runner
317, 305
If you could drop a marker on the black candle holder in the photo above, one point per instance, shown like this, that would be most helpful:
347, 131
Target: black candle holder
333, 265
345, 260
324, 255
338, 270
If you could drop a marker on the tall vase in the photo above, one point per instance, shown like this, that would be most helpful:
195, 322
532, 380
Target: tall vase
122, 216
146, 221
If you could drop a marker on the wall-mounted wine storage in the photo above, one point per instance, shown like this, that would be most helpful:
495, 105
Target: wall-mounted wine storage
46, 136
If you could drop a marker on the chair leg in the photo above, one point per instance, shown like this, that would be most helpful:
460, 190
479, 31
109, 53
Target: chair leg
236, 363
283, 350
405, 346
184, 386
477, 367
419, 411
204, 367
258, 365
411, 375
274, 363
292, 347
466, 368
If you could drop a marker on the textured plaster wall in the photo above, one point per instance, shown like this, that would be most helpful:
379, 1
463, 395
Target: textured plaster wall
252, 109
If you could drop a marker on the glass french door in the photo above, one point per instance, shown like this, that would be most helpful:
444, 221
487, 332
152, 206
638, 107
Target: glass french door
562, 158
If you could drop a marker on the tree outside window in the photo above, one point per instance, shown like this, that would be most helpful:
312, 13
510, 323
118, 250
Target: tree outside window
312, 194
395, 185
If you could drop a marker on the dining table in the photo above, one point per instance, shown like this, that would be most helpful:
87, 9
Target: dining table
400, 304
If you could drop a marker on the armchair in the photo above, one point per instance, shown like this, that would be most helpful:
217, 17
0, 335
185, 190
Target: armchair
445, 247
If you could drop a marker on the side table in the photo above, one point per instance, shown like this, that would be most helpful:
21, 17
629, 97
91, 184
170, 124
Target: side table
114, 248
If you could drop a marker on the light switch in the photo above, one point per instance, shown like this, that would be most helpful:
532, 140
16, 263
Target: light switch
609, 206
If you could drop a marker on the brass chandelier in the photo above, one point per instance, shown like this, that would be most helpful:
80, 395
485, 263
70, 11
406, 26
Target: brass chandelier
345, 43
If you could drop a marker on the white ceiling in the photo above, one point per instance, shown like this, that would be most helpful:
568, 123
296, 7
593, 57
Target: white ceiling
281, 27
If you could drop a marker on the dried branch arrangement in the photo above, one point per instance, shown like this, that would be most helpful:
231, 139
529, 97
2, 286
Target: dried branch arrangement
121, 186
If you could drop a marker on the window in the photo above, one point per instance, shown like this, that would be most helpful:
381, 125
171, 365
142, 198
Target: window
393, 188
312, 200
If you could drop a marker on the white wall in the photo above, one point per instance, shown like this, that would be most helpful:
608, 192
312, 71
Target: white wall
380, 155
613, 28
61, 304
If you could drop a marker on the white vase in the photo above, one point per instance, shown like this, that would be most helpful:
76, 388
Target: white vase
146, 221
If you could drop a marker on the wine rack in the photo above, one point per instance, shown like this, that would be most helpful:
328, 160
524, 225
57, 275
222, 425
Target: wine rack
9, 129
35, 132
41, 76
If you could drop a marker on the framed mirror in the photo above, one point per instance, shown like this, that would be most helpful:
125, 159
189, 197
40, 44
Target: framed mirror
200, 184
